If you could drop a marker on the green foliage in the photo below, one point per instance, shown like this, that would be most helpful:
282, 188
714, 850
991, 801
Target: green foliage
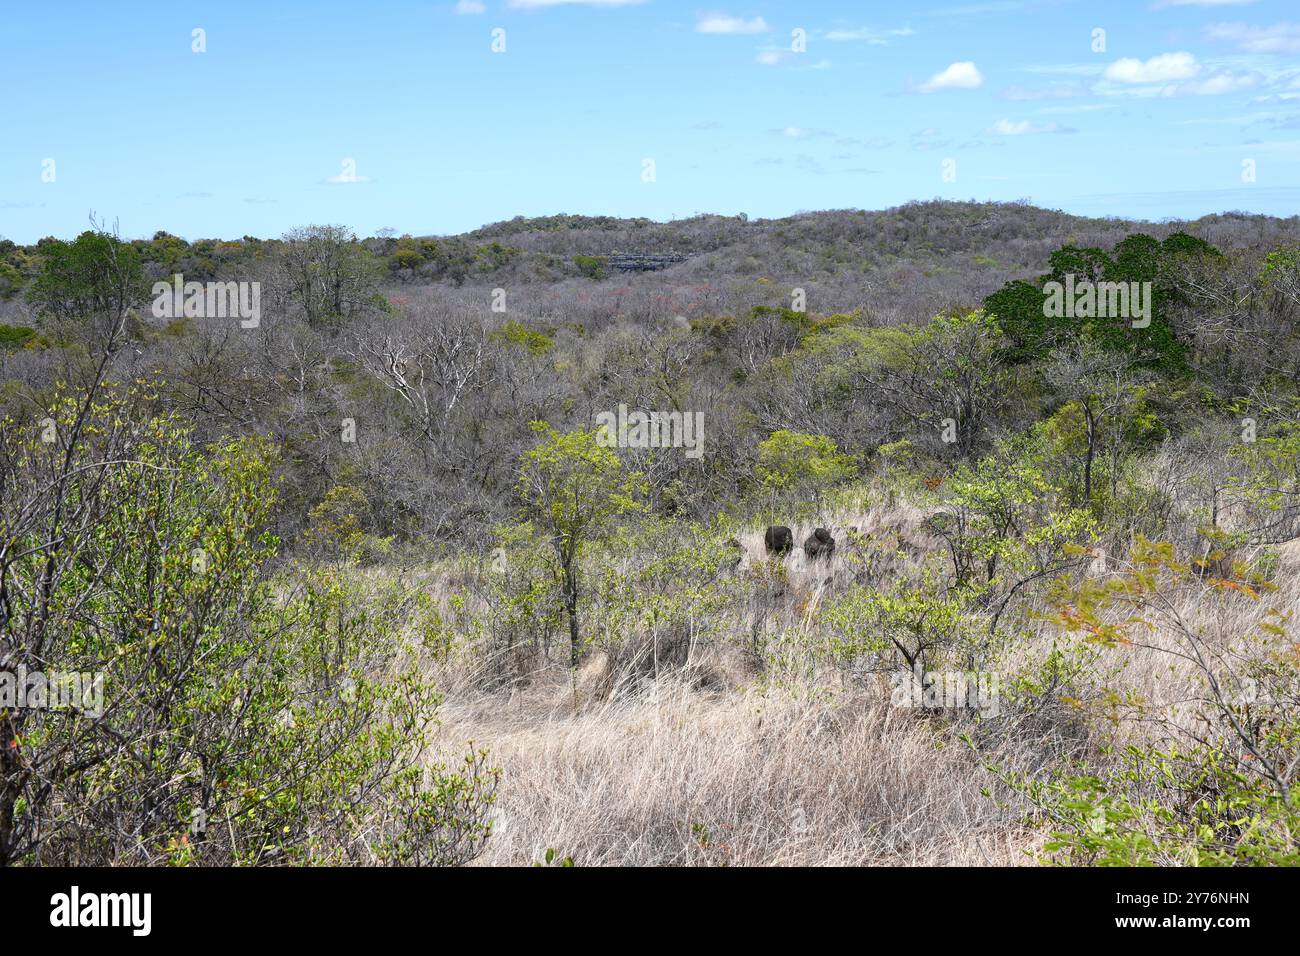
573, 486
11, 279
1268, 482
284, 714
1166, 807
593, 267
915, 627
804, 322
13, 337
95, 275
405, 259
793, 461
551, 858
1001, 516
517, 334
1225, 797
335, 525
494, 256
1019, 305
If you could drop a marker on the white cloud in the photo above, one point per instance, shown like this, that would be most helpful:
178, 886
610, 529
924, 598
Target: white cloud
722, 23
770, 57
1279, 38
1219, 83
1006, 127
539, 4
1057, 91
1161, 4
1069, 69
1214, 84
804, 132
959, 76
979, 9
1081, 108
868, 35
469, 7
1159, 69
1171, 74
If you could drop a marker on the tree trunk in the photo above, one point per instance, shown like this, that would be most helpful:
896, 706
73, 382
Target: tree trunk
570, 595
1092, 451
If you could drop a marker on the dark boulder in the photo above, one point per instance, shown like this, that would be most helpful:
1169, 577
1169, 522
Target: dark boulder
779, 539
820, 544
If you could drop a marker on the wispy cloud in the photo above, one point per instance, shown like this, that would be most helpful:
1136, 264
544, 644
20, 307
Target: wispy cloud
928, 139
470, 7
1171, 74
1067, 69
541, 4
1278, 38
867, 35
1162, 4
1219, 83
1164, 68
1080, 108
1055, 91
1006, 127
958, 76
724, 23
979, 9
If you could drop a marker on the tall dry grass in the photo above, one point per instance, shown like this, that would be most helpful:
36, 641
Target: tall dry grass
678, 776
729, 762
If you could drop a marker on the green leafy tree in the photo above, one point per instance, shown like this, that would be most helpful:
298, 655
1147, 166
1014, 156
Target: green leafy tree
1019, 305
794, 463
593, 267
86, 288
216, 716
573, 486
1005, 526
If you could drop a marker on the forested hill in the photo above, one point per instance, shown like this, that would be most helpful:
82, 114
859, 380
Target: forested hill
922, 255
442, 350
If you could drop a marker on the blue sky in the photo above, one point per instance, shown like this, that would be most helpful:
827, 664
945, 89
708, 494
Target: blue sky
1010, 98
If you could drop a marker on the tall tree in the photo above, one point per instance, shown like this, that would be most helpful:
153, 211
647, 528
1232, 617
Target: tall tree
573, 486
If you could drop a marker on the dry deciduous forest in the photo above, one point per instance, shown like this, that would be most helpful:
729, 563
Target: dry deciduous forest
596, 541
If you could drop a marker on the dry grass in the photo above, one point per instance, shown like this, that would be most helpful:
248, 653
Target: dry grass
682, 777
729, 763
